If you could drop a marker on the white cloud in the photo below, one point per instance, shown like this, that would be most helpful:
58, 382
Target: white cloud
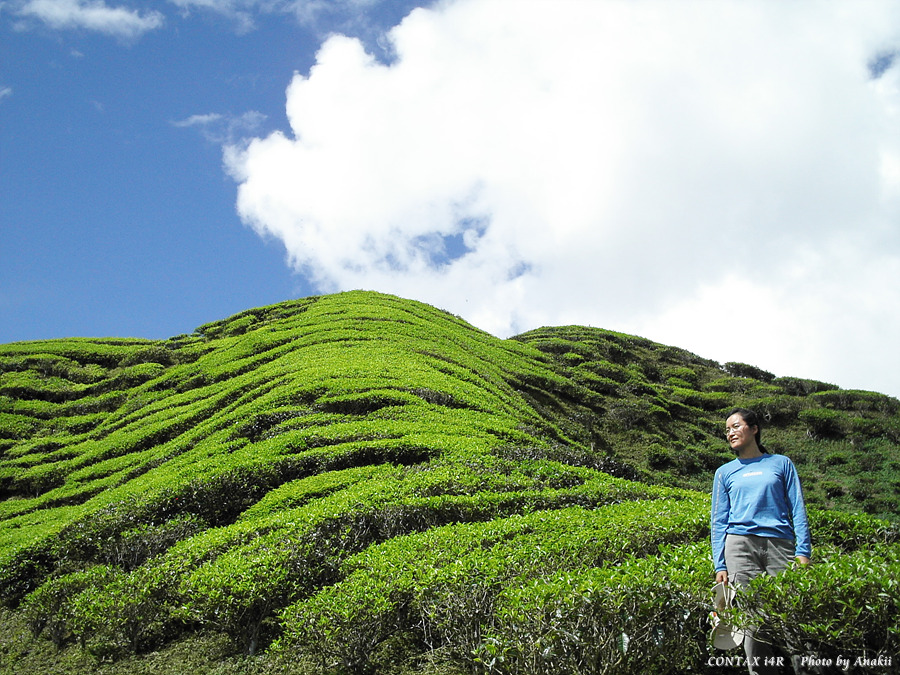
243, 13
5, 92
635, 165
93, 15
198, 120
224, 129
240, 12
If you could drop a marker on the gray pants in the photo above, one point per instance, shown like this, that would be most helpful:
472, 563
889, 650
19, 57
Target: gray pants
747, 557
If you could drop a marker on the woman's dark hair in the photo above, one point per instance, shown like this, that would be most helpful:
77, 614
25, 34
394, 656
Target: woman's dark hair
751, 419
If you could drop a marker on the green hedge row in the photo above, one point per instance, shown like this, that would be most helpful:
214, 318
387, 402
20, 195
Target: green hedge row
644, 614
439, 588
845, 606
292, 542
228, 479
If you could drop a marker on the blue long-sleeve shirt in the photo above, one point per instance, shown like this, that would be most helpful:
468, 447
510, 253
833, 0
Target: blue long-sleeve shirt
760, 496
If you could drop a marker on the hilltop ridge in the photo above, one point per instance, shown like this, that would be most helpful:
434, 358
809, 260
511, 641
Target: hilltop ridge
360, 481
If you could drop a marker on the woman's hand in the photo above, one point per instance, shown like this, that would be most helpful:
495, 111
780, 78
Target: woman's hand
722, 577
802, 560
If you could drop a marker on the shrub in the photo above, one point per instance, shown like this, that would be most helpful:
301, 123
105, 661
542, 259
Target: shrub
833, 489
135, 546
776, 410
643, 614
596, 383
659, 457
705, 400
824, 423
128, 614
139, 373
239, 591
795, 386
17, 426
744, 370
843, 399
156, 353
845, 605
731, 385
835, 459
49, 609
682, 373
198, 470
441, 586
850, 532
633, 413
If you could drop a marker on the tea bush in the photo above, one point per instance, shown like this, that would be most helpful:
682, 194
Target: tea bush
641, 614
824, 423
50, 608
845, 605
744, 370
366, 480
795, 386
441, 585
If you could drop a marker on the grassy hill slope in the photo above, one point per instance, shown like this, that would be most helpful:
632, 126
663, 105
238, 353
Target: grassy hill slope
358, 482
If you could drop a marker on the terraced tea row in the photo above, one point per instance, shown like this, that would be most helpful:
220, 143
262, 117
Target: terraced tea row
356, 480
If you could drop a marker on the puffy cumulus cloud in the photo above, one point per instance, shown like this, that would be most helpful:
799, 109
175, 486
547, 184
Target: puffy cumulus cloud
96, 15
724, 177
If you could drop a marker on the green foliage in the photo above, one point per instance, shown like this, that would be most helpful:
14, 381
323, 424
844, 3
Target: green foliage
825, 423
845, 605
777, 410
124, 614
705, 400
851, 532
736, 369
731, 385
795, 386
869, 401
645, 614
683, 374
17, 426
50, 608
369, 482
442, 585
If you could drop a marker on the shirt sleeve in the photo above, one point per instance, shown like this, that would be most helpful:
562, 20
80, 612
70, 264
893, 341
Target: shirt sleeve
797, 507
721, 506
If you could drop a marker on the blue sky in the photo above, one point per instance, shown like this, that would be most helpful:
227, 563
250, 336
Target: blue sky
116, 216
724, 177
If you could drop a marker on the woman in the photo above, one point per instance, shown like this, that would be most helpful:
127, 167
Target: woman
758, 520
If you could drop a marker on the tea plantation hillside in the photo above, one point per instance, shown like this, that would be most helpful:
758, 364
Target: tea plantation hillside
357, 483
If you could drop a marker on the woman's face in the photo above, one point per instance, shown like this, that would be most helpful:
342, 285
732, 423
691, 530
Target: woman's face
738, 434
